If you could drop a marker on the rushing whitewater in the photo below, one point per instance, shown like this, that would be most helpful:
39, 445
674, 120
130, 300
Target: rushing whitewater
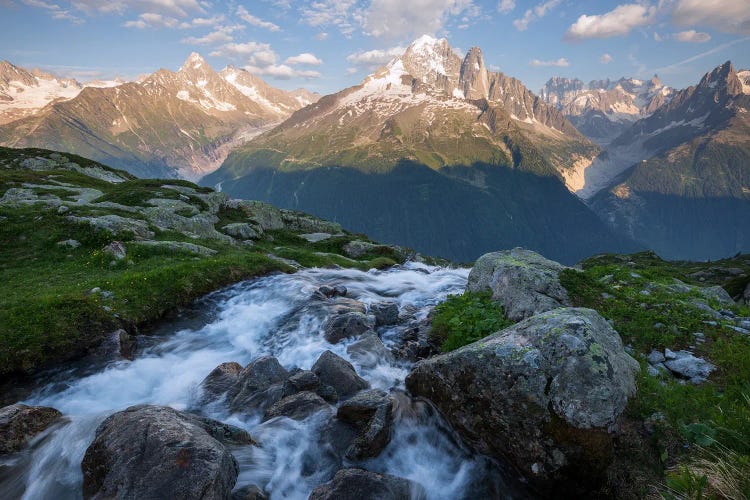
267, 316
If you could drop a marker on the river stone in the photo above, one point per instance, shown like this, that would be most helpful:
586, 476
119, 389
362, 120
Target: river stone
386, 313
297, 406
19, 423
372, 413
158, 452
369, 350
543, 394
220, 381
360, 484
338, 373
347, 324
524, 282
260, 384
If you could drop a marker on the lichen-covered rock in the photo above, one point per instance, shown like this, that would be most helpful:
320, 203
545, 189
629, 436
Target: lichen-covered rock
177, 246
266, 216
242, 231
197, 226
524, 282
371, 412
365, 485
683, 364
544, 394
19, 423
116, 224
357, 248
304, 223
335, 371
158, 452
718, 294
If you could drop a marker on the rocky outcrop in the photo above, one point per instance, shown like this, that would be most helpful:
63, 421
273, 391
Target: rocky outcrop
365, 485
544, 394
524, 282
158, 452
20, 423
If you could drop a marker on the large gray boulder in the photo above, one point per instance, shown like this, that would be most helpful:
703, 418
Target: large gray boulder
365, 485
524, 282
158, 452
259, 385
220, 381
544, 394
20, 423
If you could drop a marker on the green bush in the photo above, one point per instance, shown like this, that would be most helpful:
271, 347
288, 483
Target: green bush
463, 319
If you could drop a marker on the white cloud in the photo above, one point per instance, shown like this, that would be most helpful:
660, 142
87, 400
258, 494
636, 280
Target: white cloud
321, 36
208, 21
506, 6
255, 21
175, 8
692, 36
55, 11
605, 58
261, 59
620, 21
729, 16
373, 59
153, 20
560, 63
221, 34
338, 13
658, 37
398, 19
537, 12
304, 58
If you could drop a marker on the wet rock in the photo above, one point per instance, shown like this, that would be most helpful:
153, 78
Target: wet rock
302, 380
524, 282
158, 452
338, 373
371, 412
260, 384
683, 364
127, 343
346, 324
20, 423
364, 485
220, 381
544, 394
251, 492
370, 351
416, 343
297, 406
330, 292
386, 313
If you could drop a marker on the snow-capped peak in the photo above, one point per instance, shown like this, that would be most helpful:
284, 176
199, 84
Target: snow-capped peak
194, 61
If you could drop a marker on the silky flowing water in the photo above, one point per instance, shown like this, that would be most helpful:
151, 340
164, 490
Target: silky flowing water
274, 315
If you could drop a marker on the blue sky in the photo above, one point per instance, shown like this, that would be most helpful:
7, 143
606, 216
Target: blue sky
326, 45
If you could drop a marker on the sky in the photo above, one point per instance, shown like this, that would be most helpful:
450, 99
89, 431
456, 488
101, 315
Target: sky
327, 45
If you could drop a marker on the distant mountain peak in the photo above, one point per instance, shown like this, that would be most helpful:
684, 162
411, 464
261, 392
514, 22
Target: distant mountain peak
722, 79
193, 62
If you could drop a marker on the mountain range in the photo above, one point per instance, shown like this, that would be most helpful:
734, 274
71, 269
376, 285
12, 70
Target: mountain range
167, 124
433, 150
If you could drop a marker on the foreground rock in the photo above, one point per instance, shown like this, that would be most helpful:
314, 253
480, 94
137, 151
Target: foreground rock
524, 282
158, 452
335, 371
543, 394
364, 485
259, 385
371, 412
20, 423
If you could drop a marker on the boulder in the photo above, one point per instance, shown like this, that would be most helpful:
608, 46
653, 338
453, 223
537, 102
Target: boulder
369, 351
364, 485
372, 413
304, 223
684, 365
297, 406
117, 225
264, 215
250, 492
338, 373
301, 380
718, 294
315, 237
346, 324
356, 249
386, 313
158, 452
544, 394
220, 381
20, 423
524, 282
242, 231
177, 246
116, 250
259, 385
